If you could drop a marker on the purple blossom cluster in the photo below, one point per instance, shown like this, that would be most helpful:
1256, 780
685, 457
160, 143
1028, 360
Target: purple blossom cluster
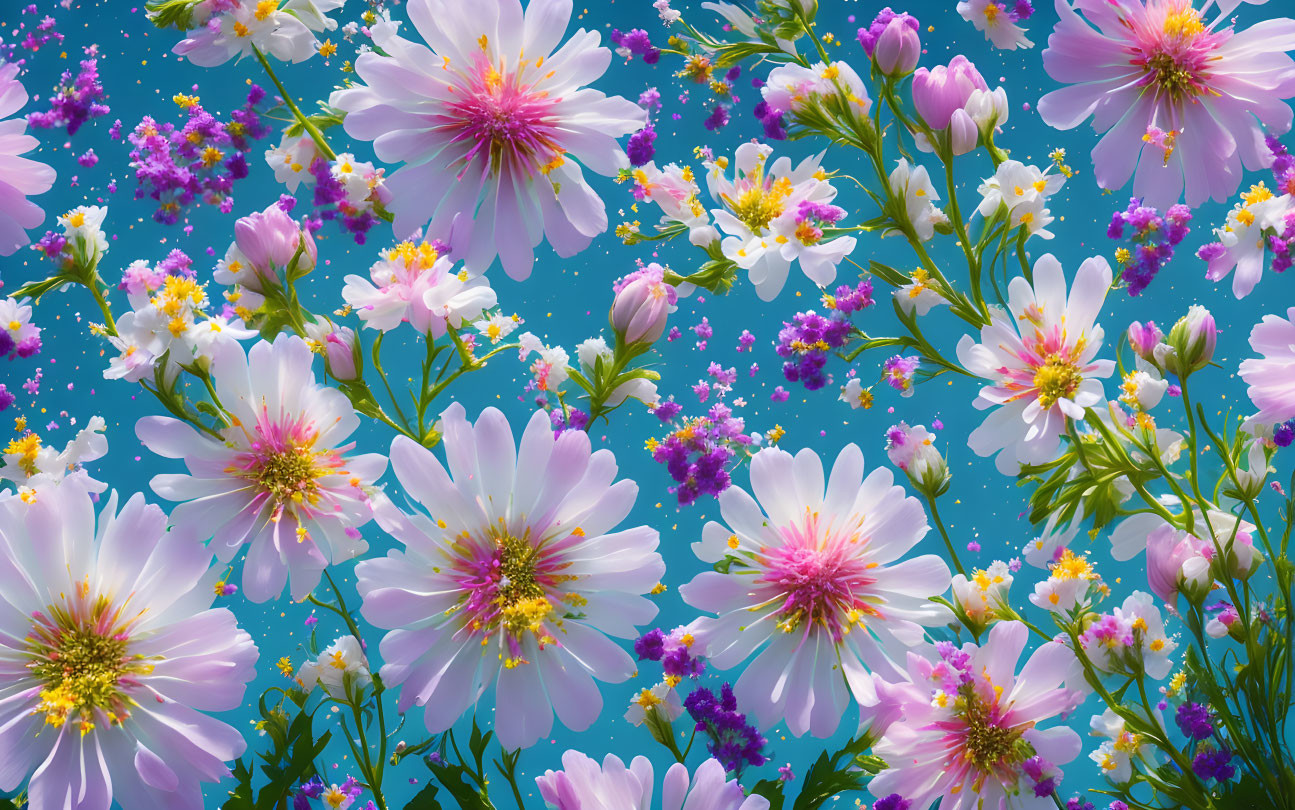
772, 119
673, 650
697, 453
640, 148
1043, 773
812, 217
898, 372
74, 101
1195, 721
805, 341
1214, 763
6, 398
733, 741
1151, 240
338, 795
635, 42
198, 161
1284, 433
892, 802
34, 38
27, 347
333, 204
573, 419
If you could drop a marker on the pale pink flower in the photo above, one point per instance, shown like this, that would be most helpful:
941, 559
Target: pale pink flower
1039, 358
495, 127
20, 177
1176, 96
112, 655
281, 478
583, 784
968, 722
814, 584
413, 282
1271, 376
283, 30
515, 576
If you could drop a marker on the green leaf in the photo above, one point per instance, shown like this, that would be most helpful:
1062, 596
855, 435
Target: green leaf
829, 776
771, 789
451, 778
425, 799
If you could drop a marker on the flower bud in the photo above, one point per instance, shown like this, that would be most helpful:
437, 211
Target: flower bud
340, 348
938, 92
1191, 341
1251, 477
1240, 558
268, 240
898, 47
964, 135
643, 302
988, 108
1144, 339
983, 597
1168, 552
912, 450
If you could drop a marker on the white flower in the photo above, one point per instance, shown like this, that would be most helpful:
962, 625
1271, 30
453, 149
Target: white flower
674, 189
340, 663
668, 15
28, 462
549, 369
1244, 237
1015, 184
413, 282
997, 23
1040, 361
984, 594
284, 30
790, 88
661, 698
1116, 754
291, 161
913, 184
498, 326
918, 296
83, 229
1054, 539
855, 394
590, 351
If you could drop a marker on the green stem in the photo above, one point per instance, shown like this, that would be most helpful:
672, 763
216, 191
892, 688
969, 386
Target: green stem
110, 325
306, 123
939, 523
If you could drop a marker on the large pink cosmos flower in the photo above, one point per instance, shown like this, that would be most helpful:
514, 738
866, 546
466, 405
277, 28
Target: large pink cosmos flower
1272, 377
1177, 97
110, 655
281, 477
1040, 361
812, 579
968, 723
493, 127
20, 177
583, 784
513, 576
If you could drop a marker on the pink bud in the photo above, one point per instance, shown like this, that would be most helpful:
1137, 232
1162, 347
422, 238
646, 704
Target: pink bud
938, 92
1143, 339
899, 47
963, 132
643, 302
269, 240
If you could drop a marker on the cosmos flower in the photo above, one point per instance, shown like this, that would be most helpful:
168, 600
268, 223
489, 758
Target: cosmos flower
774, 215
284, 30
280, 478
1271, 376
969, 722
813, 583
415, 283
583, 784
514, 576
1180, 100
494, 126
23, 177
112, 655
1040, 361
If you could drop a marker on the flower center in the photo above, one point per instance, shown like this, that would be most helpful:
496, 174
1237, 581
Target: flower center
80, 653
820, 582
757, 206
989, 744
1056, 379
504, 122
283, 464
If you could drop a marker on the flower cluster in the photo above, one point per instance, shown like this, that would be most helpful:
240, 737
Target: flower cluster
74, 101
805, 342
1151, 240
699, 451
199, 161
730, 739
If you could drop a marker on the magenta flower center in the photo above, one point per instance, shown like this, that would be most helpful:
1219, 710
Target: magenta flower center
1174, 49
821, 579
284, 465
79, 652
504, 122
982, 738
512, 588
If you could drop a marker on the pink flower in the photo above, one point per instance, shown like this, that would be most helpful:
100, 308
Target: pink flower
939, 92
1153, 72
643, 301
265, 242
1177, 562
968, 723
494, 126
583, 784
20, 177
1271, 377
814, 585
416, 283
516, 579
1040, 360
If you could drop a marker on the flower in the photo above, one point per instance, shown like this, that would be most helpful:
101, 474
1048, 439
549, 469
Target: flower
893, 42
280, 478
30, 463
341, 669
984, 596
1117, 752
284, 30
812, 579
517, 578
264, 242
674, 190
1271, 376
918, 296
416, 283
969, 722
1052, 541
913, 183
1040, 363
997, 22
19, 337
938, 94
1022, 191
494, 127
912, 449
775, 215
291, 160
23, 177
1244, 237
1180, 100
1130, 640
642, 303
115, 655
583, 784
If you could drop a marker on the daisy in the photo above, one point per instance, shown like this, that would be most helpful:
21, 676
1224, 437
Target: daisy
1119, 749
340, 663
774, 215
661, 698
1052, 541
1130, 639
291, 161
1040, 361
813, 583
795, 89
414, 282
1016, 185
998, 22
23, 177
28, 462
112, 656
918, 295
514, 576
1180, 99
19, 337
1271, 376
674, 189
1243, 238
583, 784
969, 723
284, 30
494, 126
280, 479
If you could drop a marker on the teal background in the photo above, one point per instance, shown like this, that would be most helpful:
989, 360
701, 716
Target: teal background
566, 301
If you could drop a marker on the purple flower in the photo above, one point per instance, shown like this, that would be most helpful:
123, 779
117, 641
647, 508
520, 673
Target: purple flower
1195, 721
718, 118
74, 101
640, 149
892, 802
1214, 764
1151, 243
732, 741
6, 398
